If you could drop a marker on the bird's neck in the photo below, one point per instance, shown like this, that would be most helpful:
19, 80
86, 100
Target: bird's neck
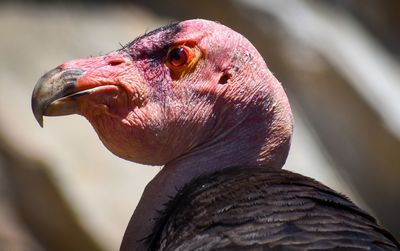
165, 185
238, 147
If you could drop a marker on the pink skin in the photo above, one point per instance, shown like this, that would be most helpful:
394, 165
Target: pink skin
228, 111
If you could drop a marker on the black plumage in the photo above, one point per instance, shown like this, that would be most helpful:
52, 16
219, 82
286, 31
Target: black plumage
252, 208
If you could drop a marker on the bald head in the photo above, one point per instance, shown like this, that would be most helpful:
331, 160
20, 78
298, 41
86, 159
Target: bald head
183, 88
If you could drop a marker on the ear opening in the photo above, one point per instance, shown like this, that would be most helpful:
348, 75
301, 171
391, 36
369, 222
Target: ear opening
224, 78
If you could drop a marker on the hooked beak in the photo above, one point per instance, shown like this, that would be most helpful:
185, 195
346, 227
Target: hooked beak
82, 83
55, 92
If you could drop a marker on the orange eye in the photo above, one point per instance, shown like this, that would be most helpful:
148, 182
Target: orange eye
178, 56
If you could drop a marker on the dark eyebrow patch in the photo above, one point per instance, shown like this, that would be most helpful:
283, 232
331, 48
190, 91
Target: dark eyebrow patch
170, 29
152, 43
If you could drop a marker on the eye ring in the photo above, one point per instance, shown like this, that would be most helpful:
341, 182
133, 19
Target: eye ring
178, 56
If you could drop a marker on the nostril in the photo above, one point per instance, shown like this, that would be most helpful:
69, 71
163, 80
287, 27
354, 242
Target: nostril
115, 62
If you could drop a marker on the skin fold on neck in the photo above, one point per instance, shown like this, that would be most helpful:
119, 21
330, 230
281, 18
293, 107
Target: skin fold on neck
242, 145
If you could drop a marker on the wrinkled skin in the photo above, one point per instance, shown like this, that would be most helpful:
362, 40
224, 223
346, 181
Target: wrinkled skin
145, 113
222, 108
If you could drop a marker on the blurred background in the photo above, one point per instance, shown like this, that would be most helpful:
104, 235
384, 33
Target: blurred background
338, 60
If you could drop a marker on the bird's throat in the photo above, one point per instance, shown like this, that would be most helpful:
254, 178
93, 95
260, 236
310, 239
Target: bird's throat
174, 175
